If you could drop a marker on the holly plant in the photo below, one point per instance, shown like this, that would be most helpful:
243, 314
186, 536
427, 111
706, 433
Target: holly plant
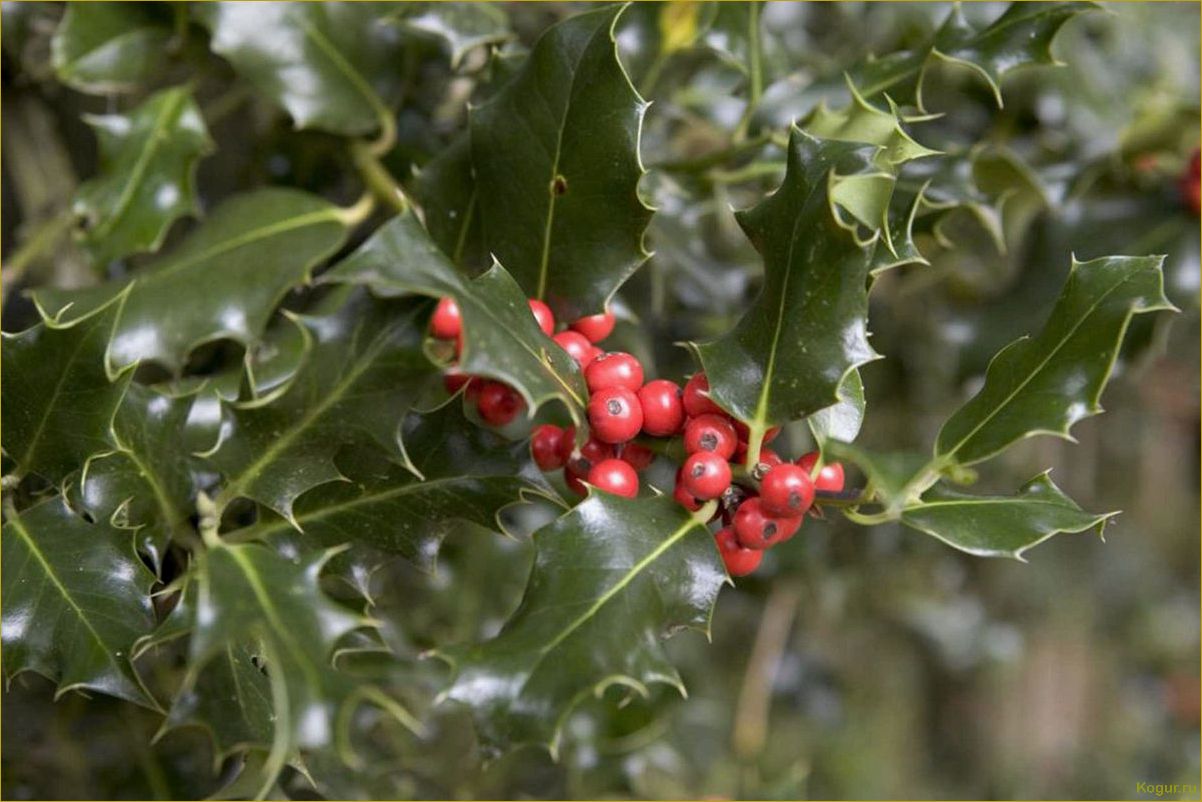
351, 284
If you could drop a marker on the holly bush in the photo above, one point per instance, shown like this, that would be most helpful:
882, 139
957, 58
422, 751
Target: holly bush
273, 377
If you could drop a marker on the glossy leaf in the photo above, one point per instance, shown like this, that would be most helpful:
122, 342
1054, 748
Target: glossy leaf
249, 594
1022, 36
365, 370
558, 197
145, 482
843, 419
807, 330
501, 339
332, 66
447, 191
223, 281
1000, 526
57, 400
467, 474
610, 578
147, 175
860, 121
1046, 383
894, 478
109, 47
75, 599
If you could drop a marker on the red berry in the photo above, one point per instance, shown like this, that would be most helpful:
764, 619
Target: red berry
614, 476
663, 411
614, 369
545, 445
639, 457
577, 347
696, 397
446, 322
683, 497
830, 477
786, 491
567, 444
498, 403
769, 457
589, 454
706, 475
454, 381
595, 327
739, 561
710, 432
572, 477
615, 415
758, 530
542, 315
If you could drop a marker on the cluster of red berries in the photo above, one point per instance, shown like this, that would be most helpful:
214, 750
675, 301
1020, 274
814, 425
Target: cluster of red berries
758, 512
1190, 183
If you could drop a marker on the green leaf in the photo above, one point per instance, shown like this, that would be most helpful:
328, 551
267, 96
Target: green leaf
109, 47
610, 578
58, 400
147, 175
249, 594
446, 189
807, 330
461, 27
75, 599
1021, 37
860, 121
1045, 384
223, 281
894, 478
364, 371
841, 420
467, 473
556, 155
1000, 526
146, 482
332, 66
501, 339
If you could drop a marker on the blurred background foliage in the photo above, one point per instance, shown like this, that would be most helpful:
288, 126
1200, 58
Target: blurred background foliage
857, 663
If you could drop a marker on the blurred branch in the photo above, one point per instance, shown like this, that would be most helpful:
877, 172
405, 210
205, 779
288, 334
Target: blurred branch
750, 729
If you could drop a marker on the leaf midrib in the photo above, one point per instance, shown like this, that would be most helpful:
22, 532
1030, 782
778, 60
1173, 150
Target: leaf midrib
358, 81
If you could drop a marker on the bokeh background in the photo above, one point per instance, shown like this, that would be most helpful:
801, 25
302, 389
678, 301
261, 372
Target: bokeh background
858, 663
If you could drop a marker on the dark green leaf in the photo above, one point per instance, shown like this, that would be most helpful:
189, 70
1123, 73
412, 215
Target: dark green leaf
1000, 526
446, 189
610, 579
146, 482
147, 175
467, 473
807, 330
501, 338
842, 420
75, 599
224, 280
1022, 36
109, 47
332, 66
557, 166
58, 401
365, 370
894, 478
1045, 384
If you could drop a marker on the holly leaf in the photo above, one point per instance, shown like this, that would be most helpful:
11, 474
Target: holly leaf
223, 281
145, 482
249, 594
460, 27
59, 400
843, 419
894, 478
447, 191
147, 175
75, 598
1000, 526
610, 578
1021, 37
109, 47
332, 66
500, 337
860, 121
466, 473
1045, 384
807, 330
558, 197
364, 371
